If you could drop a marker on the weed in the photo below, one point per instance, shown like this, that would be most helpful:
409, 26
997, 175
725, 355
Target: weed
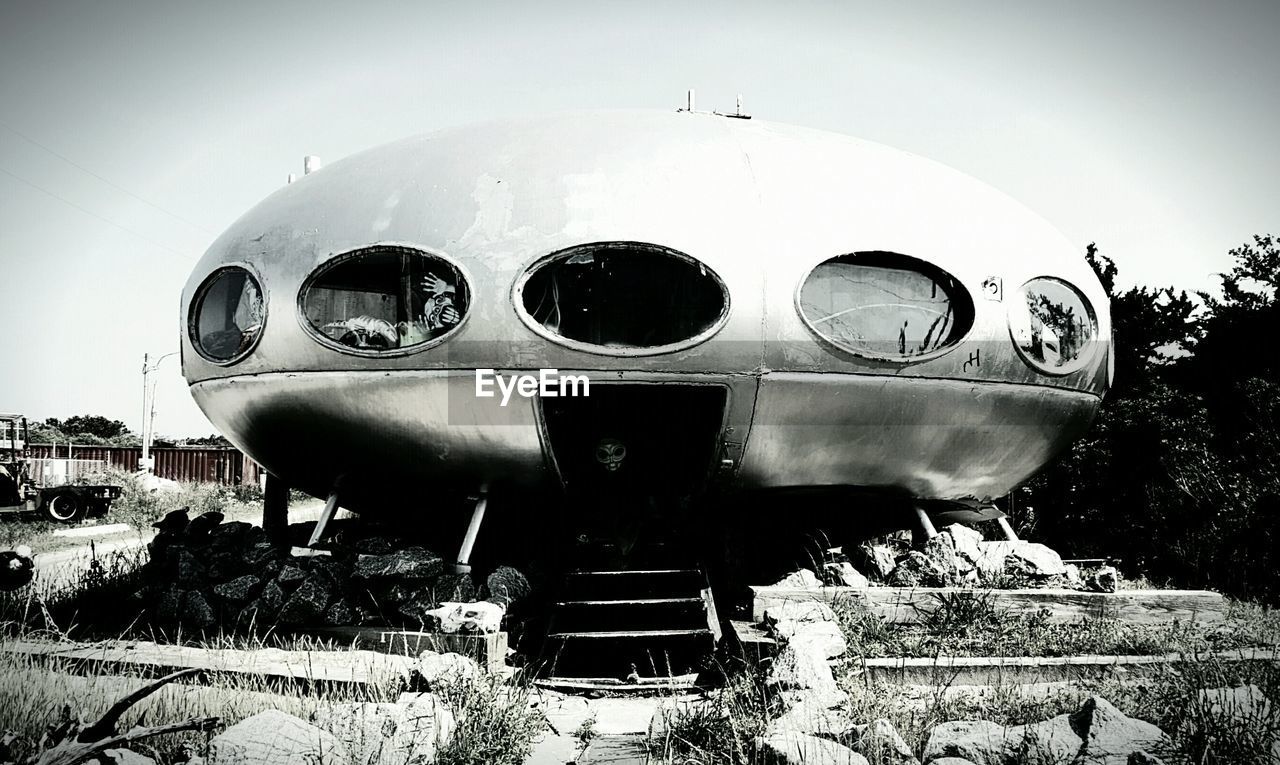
586, 731
494, 722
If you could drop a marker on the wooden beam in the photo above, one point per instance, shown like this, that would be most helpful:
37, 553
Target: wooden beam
488, 650
1027, 670
354, 667
906, 605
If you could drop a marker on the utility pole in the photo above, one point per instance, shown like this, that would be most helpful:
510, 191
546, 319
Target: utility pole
149, 408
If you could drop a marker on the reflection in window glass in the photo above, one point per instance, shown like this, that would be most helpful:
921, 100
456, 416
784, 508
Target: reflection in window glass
1052, 324
386, 298
885, 305
624, 295
228, 315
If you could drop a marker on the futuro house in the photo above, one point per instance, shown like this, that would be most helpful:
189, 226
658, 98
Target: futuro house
754, 305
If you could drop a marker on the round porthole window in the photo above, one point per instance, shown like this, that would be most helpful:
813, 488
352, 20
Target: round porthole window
1053, 326
885, 306
622, 298
385, 300
227, 315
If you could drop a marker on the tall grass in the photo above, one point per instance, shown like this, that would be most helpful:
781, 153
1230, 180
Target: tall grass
494, 722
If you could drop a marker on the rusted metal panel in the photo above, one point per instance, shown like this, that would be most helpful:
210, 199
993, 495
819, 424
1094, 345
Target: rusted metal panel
228, 467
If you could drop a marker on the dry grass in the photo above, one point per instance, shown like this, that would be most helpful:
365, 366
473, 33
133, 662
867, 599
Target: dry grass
969, 624
495, 723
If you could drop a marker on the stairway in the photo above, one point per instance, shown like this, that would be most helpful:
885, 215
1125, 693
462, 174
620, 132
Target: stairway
639, 620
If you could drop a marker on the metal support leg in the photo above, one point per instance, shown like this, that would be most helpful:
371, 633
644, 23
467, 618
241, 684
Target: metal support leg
275, 509
463, 566
326, 515
1009, 533
924, 530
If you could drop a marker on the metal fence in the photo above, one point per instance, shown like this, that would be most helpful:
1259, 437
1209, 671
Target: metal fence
229, 467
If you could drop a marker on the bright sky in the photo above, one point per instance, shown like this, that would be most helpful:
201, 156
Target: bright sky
132, 133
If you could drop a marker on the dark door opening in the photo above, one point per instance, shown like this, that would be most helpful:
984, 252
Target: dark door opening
656, 440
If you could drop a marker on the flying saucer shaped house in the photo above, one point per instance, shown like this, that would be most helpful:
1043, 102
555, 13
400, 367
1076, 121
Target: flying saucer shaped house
754, 306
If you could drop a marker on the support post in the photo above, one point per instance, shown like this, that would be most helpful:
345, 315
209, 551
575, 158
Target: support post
924, 530
1009, 533
275, 509
326, 515
463, 566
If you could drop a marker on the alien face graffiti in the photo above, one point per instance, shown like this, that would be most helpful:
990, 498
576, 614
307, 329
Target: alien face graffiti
610, 453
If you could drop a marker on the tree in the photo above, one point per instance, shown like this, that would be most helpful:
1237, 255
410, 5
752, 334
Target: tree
89, 425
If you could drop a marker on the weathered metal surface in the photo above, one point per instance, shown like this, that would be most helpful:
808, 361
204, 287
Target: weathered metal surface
759, 204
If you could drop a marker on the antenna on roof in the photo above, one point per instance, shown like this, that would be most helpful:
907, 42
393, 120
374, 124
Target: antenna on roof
689, 107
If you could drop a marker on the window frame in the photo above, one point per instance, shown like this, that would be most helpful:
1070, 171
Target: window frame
542, 261
1080, 362
197, 302
920, 266
373, 249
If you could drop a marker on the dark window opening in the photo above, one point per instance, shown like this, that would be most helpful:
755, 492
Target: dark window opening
386, 298
884, 304
227, 315
624, 296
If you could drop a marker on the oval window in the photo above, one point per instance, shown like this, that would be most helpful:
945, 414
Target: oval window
385, 299
623, 298
885, 305
1053, 326
227, 315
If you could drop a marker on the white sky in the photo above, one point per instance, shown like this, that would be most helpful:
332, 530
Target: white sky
1149, 127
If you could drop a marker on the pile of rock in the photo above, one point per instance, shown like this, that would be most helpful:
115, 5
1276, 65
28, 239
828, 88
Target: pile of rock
203, 572
957, 557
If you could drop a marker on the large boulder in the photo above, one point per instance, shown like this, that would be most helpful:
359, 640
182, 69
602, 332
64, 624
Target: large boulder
810, 714
266, 607
505, 586
803, 666
196, 611
1110, 737
824, 637
275, 738
802, 579
456, 588
308, 602
1026, 562
966, 541
238, 590
784, 615
843, 574
389, 734
915, 569
881, 743
978, 741
1048, 742
876, 561
791, 747
445, 669
412, 563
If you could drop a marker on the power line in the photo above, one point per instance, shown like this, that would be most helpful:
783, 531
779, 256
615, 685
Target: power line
113, 185
90, 213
